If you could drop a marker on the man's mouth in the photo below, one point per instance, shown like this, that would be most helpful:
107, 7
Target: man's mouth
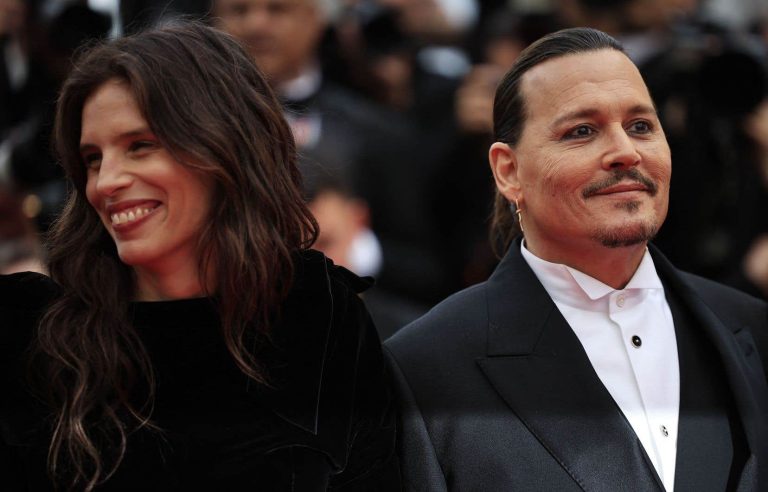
622, 180
622, 188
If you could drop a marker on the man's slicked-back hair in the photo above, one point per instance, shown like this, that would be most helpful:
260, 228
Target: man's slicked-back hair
509, 109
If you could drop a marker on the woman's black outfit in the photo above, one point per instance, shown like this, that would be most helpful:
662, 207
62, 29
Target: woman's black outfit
325, 422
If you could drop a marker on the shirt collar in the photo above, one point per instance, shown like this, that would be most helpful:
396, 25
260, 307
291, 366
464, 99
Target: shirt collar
568, 285
302, 87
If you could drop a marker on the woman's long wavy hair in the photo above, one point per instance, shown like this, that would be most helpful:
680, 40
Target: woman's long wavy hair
211, 108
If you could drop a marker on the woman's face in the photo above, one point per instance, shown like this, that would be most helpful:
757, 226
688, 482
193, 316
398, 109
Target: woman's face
153, 207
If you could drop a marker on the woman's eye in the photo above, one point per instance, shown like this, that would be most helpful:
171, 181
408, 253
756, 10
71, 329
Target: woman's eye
92, 161
580, 131
140, 145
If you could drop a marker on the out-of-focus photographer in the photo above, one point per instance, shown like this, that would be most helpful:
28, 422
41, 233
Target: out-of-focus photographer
35, 53
755, 264
20, 248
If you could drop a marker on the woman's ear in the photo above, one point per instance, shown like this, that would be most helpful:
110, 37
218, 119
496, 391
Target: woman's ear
503, 162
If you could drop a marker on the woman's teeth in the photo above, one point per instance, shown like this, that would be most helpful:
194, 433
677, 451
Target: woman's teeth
130, 216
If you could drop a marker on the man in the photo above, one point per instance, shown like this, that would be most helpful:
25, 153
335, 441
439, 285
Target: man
345, 236
341, 137
333, 128
282, 35
586, 361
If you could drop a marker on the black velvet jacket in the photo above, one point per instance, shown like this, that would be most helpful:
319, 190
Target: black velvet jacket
325, 423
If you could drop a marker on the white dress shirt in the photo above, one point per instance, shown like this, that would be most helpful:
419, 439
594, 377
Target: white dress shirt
629, 337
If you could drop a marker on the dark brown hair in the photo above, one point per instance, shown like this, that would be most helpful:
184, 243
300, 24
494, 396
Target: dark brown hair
211, 108
509, 111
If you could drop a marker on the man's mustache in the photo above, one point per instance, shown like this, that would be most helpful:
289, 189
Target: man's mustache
617, 177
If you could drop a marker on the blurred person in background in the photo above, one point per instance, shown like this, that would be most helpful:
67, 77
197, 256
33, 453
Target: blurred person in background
752, 275
337, 133
346, 236
20, 247
187, 338
28, 101
342, 134
416, 228
18, 73
26, 88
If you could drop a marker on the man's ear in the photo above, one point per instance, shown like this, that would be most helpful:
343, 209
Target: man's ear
503, 162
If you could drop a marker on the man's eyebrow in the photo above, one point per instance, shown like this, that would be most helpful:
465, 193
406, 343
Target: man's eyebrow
643, 109
574, 115
591, 112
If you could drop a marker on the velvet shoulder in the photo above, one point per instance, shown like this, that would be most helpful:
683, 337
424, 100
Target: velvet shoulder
322, 312
328, 378
316, 272
23, 299
26, 290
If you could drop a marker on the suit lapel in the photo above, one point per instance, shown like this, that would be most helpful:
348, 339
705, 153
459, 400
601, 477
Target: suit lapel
707, 442
539, 368
745, 393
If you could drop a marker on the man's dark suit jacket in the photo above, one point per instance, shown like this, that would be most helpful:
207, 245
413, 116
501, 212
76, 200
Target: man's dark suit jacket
497, 392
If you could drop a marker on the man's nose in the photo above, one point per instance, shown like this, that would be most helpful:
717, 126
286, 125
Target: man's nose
256, 21
112, 176
621, 151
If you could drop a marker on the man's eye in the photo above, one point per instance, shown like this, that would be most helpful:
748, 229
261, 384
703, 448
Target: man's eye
237, 9
580, 131
280, 7
641, 126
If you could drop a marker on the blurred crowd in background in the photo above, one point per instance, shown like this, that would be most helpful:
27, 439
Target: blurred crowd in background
391, 102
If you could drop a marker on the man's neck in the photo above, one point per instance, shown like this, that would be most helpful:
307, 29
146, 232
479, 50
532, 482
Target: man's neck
611, 266
303, 86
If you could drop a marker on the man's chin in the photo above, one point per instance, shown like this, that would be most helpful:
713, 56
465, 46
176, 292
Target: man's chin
626, 235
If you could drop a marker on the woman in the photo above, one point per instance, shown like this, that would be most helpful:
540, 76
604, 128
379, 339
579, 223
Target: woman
187, 339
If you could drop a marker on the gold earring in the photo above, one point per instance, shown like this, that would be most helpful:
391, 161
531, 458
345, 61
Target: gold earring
519, 214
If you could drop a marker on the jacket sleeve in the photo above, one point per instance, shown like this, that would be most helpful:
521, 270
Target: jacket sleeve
421, 469
22, 298
760, 335
10, 480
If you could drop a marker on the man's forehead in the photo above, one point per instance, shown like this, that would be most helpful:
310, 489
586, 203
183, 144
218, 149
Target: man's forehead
587, 75
586, 65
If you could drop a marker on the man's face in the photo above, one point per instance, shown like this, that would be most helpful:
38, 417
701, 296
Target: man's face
12, 15
341, 220
592, 167
282, 35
